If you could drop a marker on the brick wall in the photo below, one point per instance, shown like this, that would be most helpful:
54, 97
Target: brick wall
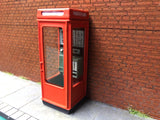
124, 48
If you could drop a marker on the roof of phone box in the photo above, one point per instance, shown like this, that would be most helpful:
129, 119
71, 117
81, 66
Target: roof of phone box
62, 13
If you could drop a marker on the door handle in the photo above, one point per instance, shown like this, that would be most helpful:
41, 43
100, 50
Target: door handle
41, 67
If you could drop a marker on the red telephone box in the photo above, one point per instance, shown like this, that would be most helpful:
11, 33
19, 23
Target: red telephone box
63, 49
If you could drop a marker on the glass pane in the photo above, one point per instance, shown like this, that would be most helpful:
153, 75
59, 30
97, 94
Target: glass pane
77, 54
53, 55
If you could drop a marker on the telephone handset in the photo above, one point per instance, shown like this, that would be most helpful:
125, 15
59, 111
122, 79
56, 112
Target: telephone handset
61, 68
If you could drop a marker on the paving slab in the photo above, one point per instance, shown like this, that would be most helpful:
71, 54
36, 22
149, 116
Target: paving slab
24, 117
17, 114
23, 96
11, 111
3, 105
7, 108
110, 114
100, 111
10, 84
42, 112
32, 118
90, 110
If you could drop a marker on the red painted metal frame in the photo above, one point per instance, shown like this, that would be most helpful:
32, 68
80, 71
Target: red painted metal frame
68, 96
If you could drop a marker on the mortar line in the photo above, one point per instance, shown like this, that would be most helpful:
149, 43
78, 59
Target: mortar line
125, 29
15, 25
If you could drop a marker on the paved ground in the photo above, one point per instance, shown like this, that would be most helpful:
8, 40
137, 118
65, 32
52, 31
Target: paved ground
21, 99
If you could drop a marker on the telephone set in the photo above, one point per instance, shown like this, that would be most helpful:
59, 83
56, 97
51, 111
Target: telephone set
77, 53
61, 68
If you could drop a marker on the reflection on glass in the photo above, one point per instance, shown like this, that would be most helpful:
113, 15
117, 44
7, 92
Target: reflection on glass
53, 55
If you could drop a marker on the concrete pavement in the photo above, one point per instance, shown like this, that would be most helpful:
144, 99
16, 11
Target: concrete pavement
21, 100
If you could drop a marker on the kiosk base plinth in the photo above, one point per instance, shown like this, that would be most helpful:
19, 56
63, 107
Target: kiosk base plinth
78, 105
56, 107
